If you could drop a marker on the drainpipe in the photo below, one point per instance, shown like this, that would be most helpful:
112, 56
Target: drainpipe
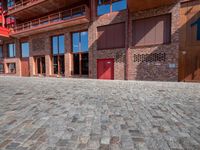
127, 47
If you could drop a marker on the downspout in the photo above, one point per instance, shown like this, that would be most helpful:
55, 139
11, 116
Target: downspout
127, 48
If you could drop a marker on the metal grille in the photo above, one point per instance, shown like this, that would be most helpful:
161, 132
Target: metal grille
154, 57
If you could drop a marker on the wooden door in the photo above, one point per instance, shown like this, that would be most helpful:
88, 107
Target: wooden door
25, 67
105, 69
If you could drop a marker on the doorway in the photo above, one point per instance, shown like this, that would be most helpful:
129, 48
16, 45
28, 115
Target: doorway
40, 65
105, 69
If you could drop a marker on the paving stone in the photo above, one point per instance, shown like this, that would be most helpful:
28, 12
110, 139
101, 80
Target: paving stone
73, 114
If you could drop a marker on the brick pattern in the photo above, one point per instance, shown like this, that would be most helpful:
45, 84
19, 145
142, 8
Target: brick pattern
155, 70
124, 65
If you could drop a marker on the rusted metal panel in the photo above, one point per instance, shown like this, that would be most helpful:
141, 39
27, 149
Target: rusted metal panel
111, 36
152, 31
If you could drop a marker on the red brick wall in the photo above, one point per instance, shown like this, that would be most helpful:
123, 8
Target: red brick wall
164, 71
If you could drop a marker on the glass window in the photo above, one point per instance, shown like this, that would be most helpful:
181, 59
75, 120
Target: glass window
11, 68
10, 3
80, 41
107, 6
58, 44
11, 50
1, 68
119, 5
25, 49
1, 51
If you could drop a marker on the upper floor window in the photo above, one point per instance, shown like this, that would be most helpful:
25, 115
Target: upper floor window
10, 3
25, 49
1, 51
107, 6
80, 41
58, 44
11, 50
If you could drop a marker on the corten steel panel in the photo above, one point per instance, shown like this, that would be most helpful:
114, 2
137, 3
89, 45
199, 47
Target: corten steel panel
25, 67
152, 31
4, 33
189, 55
111, 36
137, 5
105, 69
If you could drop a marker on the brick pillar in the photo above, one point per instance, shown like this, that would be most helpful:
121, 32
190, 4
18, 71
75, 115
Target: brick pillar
18, 56
68, 58
48, 65
32, 66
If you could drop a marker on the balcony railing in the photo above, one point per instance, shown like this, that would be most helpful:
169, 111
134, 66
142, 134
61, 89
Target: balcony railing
53, 18
21, 4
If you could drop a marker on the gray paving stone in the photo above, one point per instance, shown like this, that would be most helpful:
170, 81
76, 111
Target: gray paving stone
73, 114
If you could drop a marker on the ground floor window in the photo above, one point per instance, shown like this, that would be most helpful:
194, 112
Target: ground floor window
40, 65
80, 61
11, 68
1, 68
59, 64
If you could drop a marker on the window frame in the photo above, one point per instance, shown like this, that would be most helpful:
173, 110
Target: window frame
58, 55
110, 6
3, 68
9, 68
1, 51
133, 45
14, 50
80, 53
22, 50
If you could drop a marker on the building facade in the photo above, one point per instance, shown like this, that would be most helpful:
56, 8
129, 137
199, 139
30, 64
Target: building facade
100, 39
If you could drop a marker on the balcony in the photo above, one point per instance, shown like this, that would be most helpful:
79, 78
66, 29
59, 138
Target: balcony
70, 17
137, 5
4, 33
26, 9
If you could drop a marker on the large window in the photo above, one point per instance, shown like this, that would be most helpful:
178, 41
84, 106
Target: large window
11, 50
10, 3
25, 49
80, 52
1, 68
1, 51
107, 6
152, 31
11, 68
111, 36
58, 50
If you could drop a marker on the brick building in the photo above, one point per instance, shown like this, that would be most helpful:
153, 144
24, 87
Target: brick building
104, 39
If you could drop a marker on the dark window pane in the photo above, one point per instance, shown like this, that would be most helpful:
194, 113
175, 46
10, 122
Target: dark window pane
62, 64
1, 51
43, 65
84, 41
11, 68
61, 44
55, 64
25, 49
119, 5
76, 64
103, 8
38, 65
55, 44
1, 68
84, 64
75, 42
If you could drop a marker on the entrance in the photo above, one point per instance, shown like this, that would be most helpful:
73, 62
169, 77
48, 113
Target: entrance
105, 69
40, 65
25, 67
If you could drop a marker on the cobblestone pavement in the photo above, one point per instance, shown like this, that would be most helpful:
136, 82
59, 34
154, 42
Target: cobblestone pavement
66, 114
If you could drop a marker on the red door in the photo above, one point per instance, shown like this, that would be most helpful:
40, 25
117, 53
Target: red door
105, 69
25, 67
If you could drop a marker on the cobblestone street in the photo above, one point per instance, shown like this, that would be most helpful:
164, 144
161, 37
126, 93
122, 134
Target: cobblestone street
66, 114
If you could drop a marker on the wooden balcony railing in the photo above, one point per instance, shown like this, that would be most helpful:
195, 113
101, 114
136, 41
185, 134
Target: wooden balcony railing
21, 4
53, 18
